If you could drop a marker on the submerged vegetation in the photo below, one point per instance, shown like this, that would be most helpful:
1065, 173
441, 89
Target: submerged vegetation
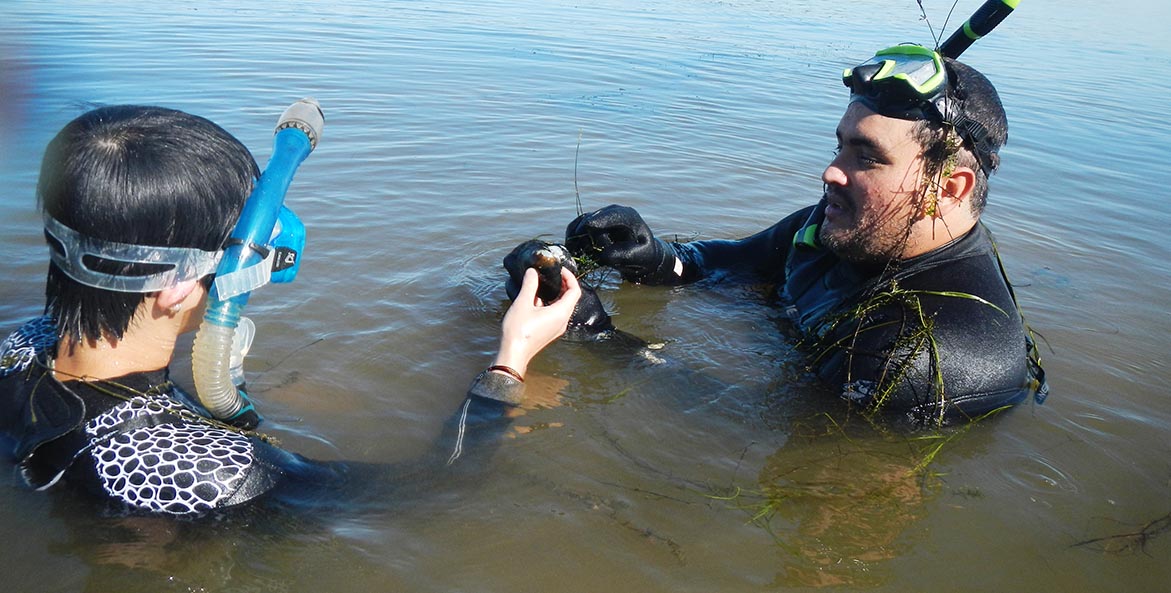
842, 496
1130, 541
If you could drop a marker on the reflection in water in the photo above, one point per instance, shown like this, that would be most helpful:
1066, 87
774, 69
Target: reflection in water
139, 553
149, 554
255, 549
849, 506
840, 499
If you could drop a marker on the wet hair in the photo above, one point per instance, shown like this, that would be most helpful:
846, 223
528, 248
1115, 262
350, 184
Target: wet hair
973, 94
139, 175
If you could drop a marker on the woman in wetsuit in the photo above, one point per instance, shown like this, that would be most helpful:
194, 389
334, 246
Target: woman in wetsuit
137, 201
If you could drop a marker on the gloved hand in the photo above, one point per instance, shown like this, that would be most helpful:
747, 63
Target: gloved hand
617, 236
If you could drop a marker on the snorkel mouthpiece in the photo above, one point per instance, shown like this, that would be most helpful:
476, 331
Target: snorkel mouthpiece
251, 255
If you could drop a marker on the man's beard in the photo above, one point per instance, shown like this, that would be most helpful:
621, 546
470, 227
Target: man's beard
872, 239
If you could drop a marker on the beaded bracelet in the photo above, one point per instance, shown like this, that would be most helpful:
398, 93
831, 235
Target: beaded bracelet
508, 371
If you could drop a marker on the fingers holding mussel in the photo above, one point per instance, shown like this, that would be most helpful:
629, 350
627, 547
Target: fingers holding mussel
590, 320
547, 259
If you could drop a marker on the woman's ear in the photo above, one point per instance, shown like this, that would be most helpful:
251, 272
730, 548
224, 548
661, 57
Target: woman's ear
171, 299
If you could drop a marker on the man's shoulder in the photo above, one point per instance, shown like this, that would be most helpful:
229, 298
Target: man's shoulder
965, 277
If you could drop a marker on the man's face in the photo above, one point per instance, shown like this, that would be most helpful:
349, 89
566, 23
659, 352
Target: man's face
872, 187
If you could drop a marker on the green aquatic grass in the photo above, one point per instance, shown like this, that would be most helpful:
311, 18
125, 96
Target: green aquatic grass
917, 337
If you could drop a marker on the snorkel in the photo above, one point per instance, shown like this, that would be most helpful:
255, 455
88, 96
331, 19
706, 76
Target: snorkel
264, 247
981, 23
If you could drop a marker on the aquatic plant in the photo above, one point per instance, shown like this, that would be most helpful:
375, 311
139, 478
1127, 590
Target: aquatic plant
842, 331
1131, 541
837, 499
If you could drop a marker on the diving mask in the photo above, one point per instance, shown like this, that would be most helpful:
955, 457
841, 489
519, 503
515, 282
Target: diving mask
912, 82
904, 81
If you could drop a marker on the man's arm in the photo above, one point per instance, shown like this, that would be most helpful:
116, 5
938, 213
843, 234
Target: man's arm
617, 236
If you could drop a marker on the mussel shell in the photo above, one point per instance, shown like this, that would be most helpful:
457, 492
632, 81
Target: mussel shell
547, 259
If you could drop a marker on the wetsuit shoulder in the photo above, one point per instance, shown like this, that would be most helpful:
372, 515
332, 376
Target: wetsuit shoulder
944, 340
28, 415
129, 441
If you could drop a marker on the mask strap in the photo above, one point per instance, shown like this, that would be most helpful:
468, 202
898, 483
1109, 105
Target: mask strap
69, 250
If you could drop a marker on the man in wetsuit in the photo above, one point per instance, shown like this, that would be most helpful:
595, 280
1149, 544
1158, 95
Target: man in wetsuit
137, 203
891, 279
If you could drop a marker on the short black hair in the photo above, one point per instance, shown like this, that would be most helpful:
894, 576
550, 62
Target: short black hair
975, 97
140, 175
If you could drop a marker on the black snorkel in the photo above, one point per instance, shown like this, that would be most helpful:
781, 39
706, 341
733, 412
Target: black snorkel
981, 23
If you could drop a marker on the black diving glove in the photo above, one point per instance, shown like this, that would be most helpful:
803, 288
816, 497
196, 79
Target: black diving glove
617, 236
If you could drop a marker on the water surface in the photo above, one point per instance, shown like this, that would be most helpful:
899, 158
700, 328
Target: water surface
457, 129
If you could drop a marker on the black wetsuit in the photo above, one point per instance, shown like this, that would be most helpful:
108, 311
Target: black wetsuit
141, 442
940, 335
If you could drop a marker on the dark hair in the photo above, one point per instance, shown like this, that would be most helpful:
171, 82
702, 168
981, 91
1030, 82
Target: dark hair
139, 175
973, 94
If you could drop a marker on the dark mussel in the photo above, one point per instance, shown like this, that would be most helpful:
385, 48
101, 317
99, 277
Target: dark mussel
547, 259
590, 320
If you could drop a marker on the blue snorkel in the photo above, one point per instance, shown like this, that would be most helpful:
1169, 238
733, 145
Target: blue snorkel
264, 247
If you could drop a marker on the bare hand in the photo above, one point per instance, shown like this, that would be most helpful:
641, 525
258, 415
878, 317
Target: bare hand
530, 325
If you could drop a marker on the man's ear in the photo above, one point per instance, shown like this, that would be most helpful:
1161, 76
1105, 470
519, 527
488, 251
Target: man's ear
170, 299
960, 184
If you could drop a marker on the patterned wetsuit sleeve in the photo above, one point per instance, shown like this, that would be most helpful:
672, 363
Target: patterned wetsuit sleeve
758, 257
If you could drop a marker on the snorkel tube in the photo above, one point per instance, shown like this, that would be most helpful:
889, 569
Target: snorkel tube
251, 259
981, 23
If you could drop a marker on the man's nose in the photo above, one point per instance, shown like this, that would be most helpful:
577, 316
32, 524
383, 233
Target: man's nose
833, 175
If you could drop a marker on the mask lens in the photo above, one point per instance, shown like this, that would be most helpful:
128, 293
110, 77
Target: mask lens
899, 81
921, 72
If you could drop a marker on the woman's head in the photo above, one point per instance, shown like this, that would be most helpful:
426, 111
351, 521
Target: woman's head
136, 175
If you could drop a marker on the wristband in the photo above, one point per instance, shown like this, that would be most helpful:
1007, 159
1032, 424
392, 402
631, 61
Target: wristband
507, 370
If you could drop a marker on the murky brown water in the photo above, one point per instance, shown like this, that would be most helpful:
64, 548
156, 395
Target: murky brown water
452, 134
